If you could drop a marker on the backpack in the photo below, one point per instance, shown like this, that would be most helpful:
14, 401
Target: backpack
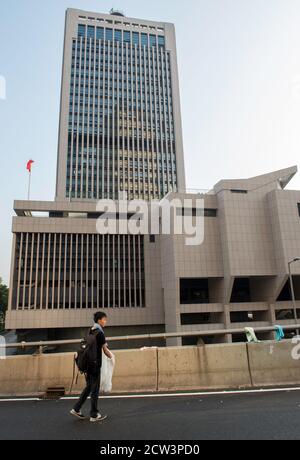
85, 356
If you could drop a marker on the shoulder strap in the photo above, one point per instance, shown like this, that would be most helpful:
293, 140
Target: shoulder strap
73, 376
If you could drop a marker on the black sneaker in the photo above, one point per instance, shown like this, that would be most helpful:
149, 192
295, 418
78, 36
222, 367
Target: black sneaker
77, 414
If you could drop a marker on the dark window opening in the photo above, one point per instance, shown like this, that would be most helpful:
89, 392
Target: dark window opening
282, 315
194, 212
286, 294
194, 291
189, 319
239, 338
239, 191
287, 314
152, 239
241, 291
210, 212
291, 334
248, 316
56, 214
299, 208
93, 215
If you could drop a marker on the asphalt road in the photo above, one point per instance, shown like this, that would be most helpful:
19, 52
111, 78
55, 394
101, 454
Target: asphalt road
251, 416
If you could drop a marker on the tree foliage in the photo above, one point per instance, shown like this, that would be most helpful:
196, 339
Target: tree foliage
3, 296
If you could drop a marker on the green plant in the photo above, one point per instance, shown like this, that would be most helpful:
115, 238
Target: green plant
3, 303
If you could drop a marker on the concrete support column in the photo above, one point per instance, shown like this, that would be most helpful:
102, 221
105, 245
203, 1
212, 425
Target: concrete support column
176, 342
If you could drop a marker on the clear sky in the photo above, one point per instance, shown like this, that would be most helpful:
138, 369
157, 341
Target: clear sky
239, 64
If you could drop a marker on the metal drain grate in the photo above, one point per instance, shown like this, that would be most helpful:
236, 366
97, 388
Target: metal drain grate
55, 393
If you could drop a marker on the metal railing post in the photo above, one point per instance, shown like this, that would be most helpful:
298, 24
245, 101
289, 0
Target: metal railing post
293, 292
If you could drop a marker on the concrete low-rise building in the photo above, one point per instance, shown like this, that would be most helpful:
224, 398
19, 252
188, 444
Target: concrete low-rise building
239, 276
63, 269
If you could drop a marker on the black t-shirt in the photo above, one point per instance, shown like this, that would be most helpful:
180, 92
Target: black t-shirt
101, 341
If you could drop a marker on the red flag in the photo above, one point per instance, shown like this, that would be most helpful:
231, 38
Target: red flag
29, 165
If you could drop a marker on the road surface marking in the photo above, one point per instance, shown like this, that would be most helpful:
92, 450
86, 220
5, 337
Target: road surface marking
20, 399
167, 395
180, 395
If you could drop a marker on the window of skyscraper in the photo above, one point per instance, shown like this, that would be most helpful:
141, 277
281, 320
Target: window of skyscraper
81, 30
118, 35
100, 33
144, 39
108, 34
161, 41
127, 37
136, 38
299, 208
152, 40
91, 32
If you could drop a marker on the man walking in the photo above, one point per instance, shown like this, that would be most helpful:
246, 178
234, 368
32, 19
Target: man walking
96, 338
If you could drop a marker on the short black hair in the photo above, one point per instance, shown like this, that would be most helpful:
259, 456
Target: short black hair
99, 315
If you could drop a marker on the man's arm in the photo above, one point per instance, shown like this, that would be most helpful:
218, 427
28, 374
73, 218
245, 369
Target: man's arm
107, 352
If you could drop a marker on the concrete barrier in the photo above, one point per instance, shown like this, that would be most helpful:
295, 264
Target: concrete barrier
211, 367
135, 371
271, 363
34, 374
204, 368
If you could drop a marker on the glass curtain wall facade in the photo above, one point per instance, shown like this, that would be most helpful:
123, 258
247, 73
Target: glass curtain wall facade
121, 133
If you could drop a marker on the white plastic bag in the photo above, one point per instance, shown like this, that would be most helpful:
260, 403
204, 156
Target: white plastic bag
107, 371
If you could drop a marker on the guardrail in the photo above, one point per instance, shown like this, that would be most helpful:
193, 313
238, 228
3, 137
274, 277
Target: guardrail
44, 344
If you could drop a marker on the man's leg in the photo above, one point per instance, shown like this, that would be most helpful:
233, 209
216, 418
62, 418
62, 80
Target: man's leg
84, 395
95, 389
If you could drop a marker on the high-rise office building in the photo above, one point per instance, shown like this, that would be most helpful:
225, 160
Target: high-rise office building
120, 135
120, 124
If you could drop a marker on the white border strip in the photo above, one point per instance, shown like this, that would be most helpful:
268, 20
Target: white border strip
168, 395
19, 400
182, 395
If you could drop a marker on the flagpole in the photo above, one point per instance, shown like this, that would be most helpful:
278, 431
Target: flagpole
29, 185
28, 167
